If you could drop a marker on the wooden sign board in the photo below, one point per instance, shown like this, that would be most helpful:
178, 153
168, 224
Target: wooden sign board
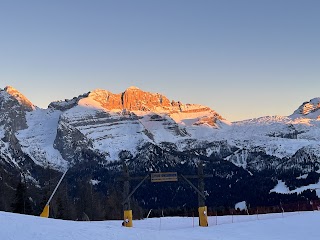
164, 177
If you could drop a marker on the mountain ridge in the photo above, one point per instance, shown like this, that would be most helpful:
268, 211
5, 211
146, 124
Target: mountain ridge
94, 133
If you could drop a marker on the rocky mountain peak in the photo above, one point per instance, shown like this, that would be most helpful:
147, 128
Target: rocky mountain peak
22, 100
135, 99
310, 109
132, 99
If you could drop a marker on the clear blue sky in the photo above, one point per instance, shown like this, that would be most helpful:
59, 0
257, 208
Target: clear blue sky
242, 58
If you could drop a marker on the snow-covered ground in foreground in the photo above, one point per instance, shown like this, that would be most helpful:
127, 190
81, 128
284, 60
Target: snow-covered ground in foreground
303, 225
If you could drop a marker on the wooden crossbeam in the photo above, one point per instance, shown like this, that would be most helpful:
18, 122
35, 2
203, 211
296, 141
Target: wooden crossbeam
135, 189
194, 187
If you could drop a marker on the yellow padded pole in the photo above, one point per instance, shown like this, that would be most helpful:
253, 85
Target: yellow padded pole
45, 212
127, 218
203, 216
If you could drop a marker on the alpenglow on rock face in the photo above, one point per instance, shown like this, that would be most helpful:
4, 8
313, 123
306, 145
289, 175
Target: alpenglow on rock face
134, 99
13, 109
310, 109
23, 101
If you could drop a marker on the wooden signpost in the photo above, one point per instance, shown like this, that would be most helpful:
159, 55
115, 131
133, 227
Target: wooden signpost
165, 177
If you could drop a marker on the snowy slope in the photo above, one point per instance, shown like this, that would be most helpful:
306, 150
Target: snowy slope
38, 138
276, 136
293, 226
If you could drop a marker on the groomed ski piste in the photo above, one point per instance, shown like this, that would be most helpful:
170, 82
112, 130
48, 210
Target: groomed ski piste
297, 225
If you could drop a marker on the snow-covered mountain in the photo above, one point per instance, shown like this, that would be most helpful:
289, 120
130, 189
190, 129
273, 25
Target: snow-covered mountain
309, 110
100, 129
106, 124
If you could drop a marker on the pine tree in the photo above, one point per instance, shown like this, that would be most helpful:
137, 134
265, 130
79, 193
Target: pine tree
21, 204
60, 209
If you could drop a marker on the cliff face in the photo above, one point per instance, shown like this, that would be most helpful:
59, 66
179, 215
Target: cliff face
134, 99
13, 110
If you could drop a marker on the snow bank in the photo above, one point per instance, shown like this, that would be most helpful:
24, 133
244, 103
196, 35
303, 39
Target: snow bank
241, 206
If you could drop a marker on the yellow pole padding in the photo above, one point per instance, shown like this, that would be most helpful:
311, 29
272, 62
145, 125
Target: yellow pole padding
45, 212
127, 218
203, 216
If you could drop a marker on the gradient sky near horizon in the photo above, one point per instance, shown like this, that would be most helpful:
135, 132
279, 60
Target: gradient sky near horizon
242, 58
